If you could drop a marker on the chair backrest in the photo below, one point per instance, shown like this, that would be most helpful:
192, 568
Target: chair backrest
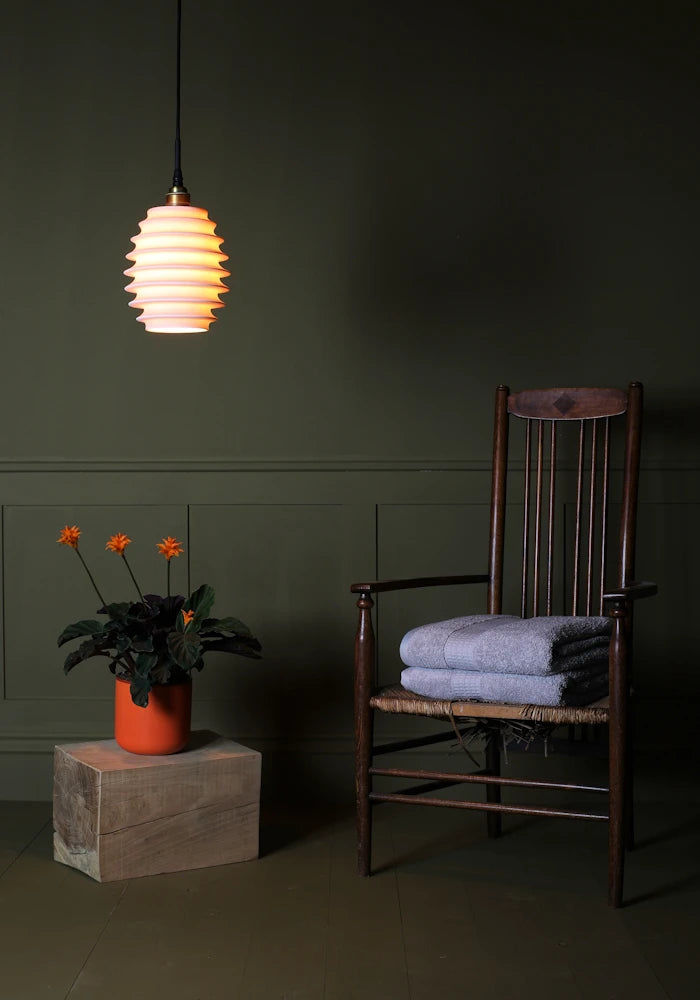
570, 448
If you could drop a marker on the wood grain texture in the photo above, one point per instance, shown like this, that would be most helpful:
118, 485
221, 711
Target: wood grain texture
567, 404
588, 412
521, 916
76, 800
119, 815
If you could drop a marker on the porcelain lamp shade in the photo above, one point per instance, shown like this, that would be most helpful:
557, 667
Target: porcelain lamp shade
177, 273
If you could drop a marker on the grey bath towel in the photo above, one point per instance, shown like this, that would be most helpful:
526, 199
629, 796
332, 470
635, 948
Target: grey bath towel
571, 688
508, 644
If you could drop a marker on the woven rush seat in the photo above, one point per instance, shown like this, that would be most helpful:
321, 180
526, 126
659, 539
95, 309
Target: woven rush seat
397, 700
564, 658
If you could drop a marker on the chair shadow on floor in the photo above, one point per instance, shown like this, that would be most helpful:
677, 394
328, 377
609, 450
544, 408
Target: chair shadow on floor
283, 825
465, 846
668, 889
447, 844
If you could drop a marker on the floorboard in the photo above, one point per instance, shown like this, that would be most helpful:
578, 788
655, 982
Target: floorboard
365, 940
51, 919
447, 910
20, 823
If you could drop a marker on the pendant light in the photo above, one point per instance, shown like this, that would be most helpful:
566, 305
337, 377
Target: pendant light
177, 261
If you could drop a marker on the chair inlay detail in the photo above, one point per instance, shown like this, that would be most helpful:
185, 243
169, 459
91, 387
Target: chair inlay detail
564, 404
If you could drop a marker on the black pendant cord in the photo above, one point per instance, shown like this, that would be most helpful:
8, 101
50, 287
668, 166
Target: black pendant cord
177, 173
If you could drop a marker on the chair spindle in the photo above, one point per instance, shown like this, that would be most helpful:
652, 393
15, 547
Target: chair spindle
604, 516
579, 497
538, 521
591, 518
526, 518
550, 528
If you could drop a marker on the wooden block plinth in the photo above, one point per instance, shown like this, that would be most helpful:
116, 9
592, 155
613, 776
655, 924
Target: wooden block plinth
120, 815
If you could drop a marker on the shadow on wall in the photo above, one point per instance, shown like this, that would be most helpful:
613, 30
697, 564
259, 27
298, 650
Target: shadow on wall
295, 705
672, 421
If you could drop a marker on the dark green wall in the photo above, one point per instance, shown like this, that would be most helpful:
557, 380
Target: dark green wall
419, 202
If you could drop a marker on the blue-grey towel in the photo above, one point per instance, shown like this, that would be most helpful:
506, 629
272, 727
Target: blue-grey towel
571, 688
507, 644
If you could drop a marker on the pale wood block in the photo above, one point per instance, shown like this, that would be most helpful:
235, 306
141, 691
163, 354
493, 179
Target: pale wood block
119, 815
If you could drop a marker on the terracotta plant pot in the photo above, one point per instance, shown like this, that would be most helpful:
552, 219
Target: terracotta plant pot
162, 727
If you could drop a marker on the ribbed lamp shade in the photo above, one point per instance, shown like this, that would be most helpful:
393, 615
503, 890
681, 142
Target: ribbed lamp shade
177, 271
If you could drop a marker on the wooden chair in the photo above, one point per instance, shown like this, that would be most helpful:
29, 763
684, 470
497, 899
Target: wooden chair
548, 415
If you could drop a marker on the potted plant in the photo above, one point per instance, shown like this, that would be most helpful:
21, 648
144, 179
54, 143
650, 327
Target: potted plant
153, 645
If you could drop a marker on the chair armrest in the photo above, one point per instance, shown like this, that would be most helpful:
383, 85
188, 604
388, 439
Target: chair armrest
632, 592
377, 586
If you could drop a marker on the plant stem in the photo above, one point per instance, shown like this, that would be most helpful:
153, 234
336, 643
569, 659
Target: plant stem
138, 589
92, 581
168, 578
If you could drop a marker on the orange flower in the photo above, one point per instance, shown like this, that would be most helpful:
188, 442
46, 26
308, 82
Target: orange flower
118, 543
188, 616
69, 536
169, 547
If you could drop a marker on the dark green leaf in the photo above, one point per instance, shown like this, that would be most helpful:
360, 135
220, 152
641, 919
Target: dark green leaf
185, 648
142, 612
162, 672
155, 600
168, 606
145, 662
233, 645
117, 666
144, 644
140, 688
200, 601
86, 627
116, 611
234, 625
84, 651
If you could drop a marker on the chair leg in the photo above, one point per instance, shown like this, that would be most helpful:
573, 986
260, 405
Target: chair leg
616, 833
493, 792
618, 755
364, 673
629, 781
363, 750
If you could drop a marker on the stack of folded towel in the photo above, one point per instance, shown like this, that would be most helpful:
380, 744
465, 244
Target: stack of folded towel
539, 661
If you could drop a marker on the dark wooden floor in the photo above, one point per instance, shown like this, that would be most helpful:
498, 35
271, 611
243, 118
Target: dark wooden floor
448, 913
